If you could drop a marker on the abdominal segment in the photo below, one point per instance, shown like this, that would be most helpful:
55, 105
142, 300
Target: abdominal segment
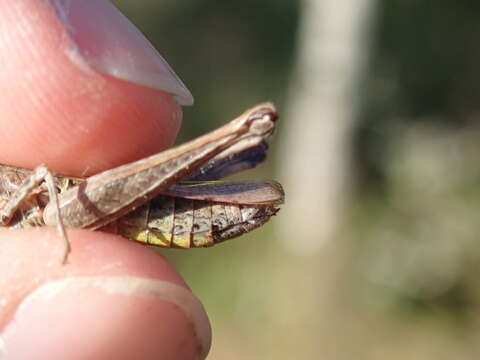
184, 223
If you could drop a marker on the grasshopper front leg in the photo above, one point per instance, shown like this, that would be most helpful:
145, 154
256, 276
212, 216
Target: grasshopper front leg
37, 177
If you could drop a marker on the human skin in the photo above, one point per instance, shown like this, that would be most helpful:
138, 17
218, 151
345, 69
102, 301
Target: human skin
61, 106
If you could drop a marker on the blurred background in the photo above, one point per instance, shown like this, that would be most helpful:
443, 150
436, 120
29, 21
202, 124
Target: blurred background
375, 253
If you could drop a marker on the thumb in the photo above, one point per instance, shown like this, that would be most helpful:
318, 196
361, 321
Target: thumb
81, 88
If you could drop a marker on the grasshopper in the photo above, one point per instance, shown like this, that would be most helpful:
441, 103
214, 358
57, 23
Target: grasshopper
146, 201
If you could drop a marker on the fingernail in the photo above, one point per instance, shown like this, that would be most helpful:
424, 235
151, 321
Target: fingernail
108, 315
109, 43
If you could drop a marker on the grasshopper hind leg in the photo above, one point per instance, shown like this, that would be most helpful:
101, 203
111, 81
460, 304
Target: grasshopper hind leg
38, 176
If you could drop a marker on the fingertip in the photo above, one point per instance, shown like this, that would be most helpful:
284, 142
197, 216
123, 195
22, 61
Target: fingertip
34, 256
127, 295
66, 114
112, 317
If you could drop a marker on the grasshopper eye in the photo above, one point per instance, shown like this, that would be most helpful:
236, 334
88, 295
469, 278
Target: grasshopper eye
269, 117
271, 114
263, 126
262, 119
266, 111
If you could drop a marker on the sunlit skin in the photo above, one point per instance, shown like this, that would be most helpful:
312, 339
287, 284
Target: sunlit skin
109, 122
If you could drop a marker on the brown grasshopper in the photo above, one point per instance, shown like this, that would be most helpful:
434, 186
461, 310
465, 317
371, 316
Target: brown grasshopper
145, 201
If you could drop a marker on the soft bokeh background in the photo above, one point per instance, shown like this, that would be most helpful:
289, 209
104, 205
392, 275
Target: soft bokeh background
375, 254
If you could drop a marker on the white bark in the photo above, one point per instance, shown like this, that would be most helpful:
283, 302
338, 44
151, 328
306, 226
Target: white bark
315, 147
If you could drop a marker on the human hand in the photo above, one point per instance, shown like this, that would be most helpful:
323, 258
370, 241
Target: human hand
82, 93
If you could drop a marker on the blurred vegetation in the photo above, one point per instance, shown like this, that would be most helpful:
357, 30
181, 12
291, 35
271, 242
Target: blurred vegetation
424, 68
408, 251
417, 150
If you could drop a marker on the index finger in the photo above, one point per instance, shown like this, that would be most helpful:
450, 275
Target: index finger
82, 90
